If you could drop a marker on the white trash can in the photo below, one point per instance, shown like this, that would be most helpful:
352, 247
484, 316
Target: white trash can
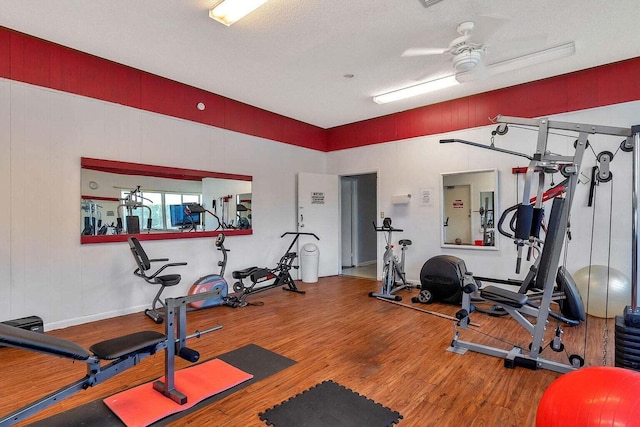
309, 261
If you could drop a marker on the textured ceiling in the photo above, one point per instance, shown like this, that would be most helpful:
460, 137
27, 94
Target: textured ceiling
290, 57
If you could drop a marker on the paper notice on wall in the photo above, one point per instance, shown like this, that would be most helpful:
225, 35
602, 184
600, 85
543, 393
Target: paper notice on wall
317, 198
458, 204
426, 197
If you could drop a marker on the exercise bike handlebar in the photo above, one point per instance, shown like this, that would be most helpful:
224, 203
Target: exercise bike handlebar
298, 234
385, 229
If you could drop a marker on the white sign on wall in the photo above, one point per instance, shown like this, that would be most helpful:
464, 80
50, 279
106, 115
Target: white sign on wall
426, 197
317, 198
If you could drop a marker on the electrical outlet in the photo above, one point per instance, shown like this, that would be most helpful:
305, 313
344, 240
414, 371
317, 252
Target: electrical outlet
382, 215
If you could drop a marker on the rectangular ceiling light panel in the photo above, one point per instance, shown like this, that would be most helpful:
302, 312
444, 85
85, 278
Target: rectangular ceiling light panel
535, 58
230, 11
415, 90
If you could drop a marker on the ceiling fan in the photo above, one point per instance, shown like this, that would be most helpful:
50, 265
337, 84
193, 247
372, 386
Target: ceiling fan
468, 56
468, 61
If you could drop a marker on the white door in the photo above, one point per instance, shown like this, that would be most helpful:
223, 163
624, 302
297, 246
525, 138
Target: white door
457, 210
319, 213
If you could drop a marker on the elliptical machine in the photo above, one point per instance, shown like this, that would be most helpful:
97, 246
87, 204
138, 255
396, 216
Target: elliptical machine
213, 282
393, 270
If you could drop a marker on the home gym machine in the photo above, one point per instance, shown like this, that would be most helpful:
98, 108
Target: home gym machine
393, 268
442, 280
281, 273
119, 353
132, 201
213, 282
515, 303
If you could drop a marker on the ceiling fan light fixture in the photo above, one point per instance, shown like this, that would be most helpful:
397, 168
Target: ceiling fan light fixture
535, 58
419, 89
228, 12
467, 60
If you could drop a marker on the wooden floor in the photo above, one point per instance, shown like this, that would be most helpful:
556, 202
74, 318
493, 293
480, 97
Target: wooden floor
391, 354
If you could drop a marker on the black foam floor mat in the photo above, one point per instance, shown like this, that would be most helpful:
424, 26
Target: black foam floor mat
329, 404
251, 358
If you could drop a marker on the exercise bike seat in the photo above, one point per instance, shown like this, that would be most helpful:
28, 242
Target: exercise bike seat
168, 279
244, 273
405, 242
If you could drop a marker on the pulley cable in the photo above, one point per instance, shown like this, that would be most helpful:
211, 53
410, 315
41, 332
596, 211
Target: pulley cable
605, 332
586, 321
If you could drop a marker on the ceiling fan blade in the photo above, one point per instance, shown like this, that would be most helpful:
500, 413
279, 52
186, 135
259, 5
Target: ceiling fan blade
532, 59
421, 51
521, 44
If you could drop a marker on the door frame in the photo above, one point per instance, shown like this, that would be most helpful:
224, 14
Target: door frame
355, 235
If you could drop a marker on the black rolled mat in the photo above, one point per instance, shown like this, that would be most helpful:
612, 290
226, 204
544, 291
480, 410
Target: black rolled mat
330, 404
251, 358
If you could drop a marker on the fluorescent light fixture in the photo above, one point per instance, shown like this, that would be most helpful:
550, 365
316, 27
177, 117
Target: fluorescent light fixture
535, 58
415, 90
230, 11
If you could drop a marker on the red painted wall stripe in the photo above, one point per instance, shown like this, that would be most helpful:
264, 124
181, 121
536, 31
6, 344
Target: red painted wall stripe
35, 61
129, 168
595, 87
31, 60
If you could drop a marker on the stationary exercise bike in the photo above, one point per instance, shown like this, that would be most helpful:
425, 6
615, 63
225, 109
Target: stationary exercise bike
213, 282
393, 270
281, 274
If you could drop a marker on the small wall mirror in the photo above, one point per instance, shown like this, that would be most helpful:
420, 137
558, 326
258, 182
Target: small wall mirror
158, 202
469, 202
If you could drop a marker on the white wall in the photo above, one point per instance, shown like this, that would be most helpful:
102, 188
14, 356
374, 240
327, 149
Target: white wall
45, 271
413, 165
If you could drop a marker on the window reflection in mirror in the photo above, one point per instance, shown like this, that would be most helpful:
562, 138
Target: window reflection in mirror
469, 201
119, 198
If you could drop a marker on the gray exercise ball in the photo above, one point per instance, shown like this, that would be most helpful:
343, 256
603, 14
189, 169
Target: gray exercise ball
596, 290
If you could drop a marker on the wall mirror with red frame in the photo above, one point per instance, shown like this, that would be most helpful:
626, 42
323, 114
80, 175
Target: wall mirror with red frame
153, 202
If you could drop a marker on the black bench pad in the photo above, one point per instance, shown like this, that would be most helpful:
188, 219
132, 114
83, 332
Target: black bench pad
503, 296
35, 341
128, 344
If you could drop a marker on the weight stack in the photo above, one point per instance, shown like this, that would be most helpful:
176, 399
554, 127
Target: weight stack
627, 345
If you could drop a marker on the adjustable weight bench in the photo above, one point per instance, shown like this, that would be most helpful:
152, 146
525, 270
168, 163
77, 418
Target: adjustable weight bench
123, 352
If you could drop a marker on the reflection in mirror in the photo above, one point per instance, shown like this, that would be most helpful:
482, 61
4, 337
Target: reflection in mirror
469, 200
119, 198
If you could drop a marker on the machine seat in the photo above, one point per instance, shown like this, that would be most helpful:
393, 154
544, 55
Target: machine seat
503, 296
116, 348
244, 273
405, 242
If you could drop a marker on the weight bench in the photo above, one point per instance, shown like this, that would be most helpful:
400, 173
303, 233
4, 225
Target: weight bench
123, 352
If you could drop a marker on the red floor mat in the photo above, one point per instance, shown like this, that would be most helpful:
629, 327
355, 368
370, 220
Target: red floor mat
142, 405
